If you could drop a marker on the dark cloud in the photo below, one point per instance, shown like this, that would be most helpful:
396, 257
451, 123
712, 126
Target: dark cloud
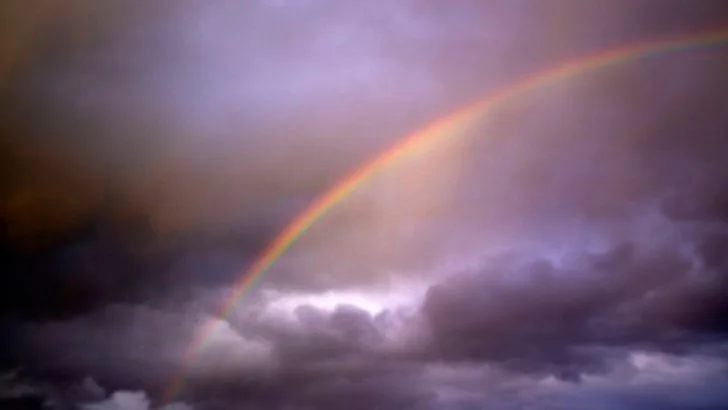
97, 263
545, 319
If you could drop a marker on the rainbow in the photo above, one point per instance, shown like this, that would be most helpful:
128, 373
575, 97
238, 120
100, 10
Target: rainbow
422, 140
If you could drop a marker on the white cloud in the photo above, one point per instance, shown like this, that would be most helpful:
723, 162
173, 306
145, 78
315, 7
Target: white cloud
225, 348
405, 295
122, 400
132, 400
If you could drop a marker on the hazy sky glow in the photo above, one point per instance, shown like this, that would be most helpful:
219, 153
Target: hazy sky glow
566, 251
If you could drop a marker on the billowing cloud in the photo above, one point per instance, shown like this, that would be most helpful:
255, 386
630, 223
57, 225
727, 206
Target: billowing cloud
628, 297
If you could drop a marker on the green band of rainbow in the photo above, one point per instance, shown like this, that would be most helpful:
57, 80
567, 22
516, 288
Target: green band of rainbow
424, 139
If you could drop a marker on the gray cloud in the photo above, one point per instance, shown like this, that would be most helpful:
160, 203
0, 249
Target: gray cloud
654, 299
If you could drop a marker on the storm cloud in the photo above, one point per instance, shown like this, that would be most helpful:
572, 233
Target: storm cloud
567, 250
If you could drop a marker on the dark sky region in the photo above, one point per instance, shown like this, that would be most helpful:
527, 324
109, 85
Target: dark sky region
567, 251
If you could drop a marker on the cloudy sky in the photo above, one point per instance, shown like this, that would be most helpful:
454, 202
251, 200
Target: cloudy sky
568, 250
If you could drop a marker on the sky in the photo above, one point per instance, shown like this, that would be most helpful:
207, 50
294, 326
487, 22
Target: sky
566, 250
